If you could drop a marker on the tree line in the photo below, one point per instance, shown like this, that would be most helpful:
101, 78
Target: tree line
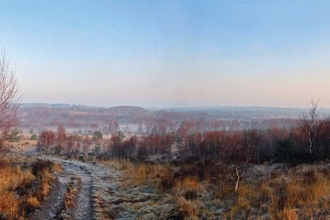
308, 140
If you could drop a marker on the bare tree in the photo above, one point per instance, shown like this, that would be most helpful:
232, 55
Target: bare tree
46, 141
251, 144
86, 144
9, 97
60, 139
308, 123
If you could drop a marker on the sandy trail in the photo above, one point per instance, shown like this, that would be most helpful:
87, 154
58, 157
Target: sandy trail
83, 208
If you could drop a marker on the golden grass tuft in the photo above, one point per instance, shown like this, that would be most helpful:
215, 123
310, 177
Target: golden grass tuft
245, 196
186, 208
57, 168
288, 214
190, 187
143, 174
9, 206
191, 184
33, 202
10, 179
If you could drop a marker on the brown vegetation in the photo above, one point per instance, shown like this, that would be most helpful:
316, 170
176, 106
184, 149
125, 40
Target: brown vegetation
206, 173
301, 192
69, 199
24, 184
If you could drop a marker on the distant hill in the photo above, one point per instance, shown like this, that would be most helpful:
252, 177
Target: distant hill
117, 110
34, 105
81, 117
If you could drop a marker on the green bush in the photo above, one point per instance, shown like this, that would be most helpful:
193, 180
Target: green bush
13, 136
33, 137
97, 136
284, 152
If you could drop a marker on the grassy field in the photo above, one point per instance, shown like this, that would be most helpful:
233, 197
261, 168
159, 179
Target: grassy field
265, 192
198, 189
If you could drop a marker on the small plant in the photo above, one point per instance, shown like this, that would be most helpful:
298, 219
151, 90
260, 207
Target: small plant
13, 136
97, 149
33, 137
32, 203
70, 197
186, 208
97, 136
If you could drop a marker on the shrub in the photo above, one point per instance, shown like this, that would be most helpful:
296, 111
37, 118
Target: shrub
33, 137
13, 136
167, 183
284, 151
186, 208
97, 136
32, 203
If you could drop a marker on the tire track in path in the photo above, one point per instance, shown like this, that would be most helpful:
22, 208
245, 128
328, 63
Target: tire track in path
83, 208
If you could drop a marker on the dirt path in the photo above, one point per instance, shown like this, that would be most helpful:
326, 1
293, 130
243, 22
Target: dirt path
104, 196
83, 209
52, 203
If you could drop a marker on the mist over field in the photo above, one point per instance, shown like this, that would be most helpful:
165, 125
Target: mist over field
85, 119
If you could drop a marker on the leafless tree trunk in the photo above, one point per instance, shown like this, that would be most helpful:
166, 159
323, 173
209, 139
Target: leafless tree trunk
309, 122
238, 180
9, 97
60, 139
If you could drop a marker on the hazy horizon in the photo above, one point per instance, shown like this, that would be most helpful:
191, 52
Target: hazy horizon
169, 54
172, 107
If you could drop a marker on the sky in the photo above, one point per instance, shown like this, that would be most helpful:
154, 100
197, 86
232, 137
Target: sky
169, 53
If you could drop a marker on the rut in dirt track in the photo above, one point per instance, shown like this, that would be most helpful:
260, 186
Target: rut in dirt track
83, 207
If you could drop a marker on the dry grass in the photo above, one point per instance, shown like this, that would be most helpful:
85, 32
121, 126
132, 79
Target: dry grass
122, 165
302, 193
142, 174
190, 183
70, 198
288, 214
10, 179
9, 206
188, 187
187, 192
56, 167
33, 202
183, 191
23, 144
186, 208
23, 189
298, 193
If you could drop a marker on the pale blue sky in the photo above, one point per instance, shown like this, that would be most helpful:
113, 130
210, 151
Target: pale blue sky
169, 53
